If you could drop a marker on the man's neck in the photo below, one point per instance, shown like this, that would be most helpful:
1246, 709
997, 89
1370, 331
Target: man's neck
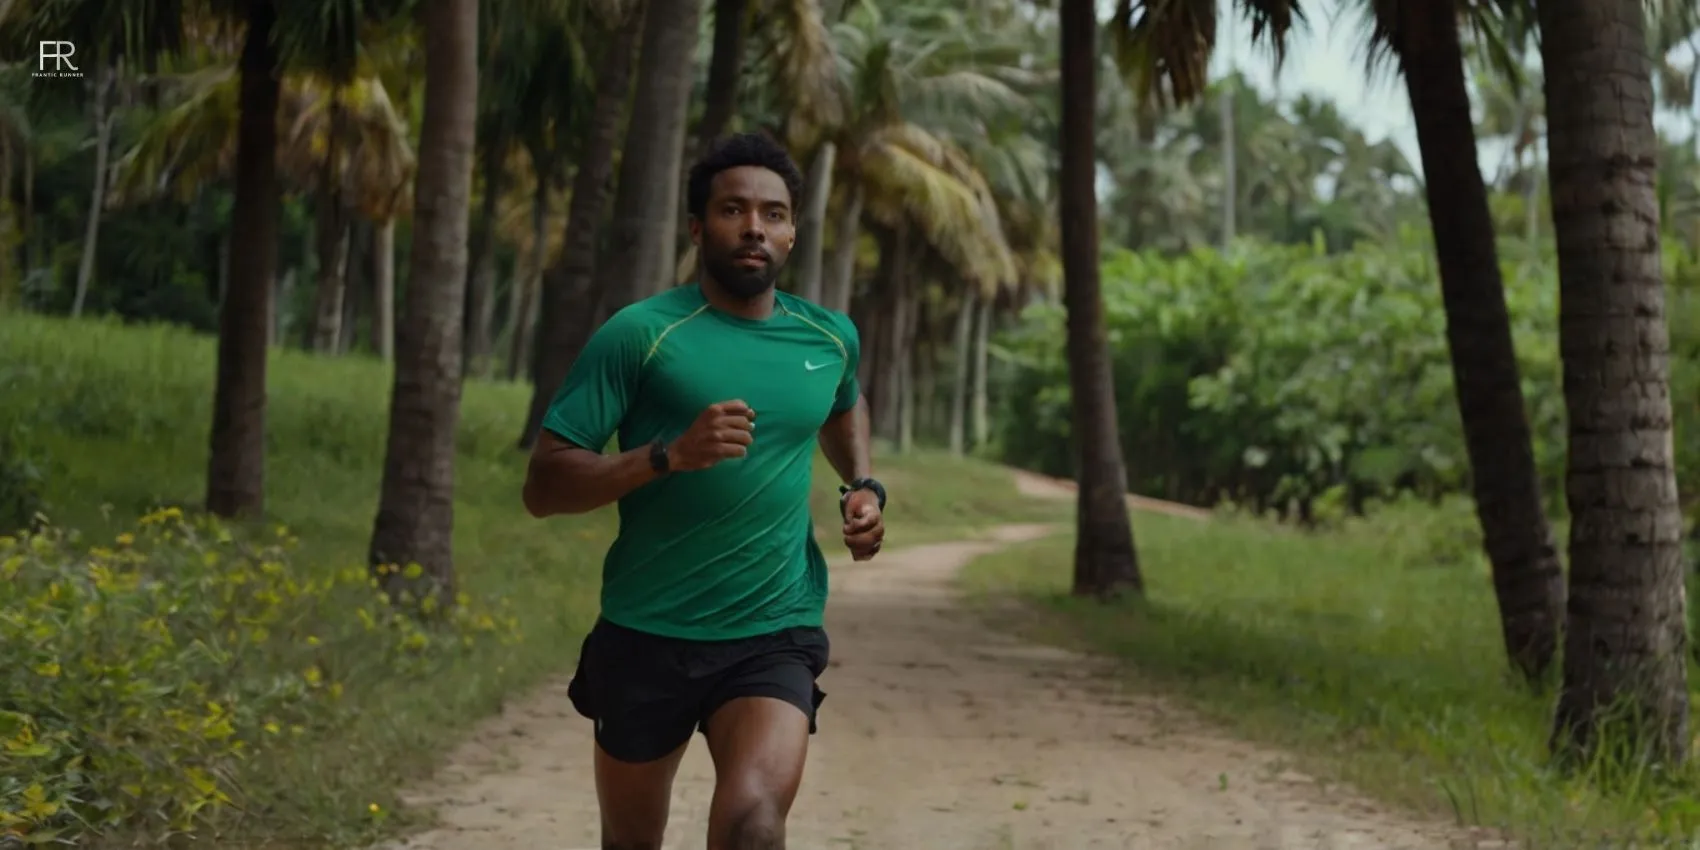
758, 308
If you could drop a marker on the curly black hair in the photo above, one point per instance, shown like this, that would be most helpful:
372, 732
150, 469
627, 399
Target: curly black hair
737, 151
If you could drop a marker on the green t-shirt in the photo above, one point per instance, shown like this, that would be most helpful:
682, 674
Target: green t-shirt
726, 552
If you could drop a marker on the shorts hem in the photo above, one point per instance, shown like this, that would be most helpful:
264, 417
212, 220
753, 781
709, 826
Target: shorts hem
638, 753
810, 707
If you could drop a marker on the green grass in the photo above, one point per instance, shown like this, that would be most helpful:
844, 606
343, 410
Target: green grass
1374, 652
119, 417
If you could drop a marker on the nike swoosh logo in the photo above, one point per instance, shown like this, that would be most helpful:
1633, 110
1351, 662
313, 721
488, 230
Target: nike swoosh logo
813, 366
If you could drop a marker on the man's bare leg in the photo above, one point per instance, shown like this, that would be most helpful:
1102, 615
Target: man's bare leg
759, 745
635, 799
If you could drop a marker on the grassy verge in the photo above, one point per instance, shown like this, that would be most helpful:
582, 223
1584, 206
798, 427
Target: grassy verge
116, 419
1373, 652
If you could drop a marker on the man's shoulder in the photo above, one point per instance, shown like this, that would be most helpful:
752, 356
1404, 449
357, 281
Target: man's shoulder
837, 323
651, 315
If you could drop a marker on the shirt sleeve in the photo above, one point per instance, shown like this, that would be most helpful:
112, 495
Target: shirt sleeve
849, 388
590, 405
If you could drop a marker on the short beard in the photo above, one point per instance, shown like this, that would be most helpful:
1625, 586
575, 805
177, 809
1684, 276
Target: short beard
744, 284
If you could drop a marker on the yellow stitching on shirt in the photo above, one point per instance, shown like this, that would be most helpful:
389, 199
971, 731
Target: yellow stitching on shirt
656, 345
842, 351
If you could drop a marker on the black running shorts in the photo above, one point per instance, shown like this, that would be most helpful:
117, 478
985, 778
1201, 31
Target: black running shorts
648, 693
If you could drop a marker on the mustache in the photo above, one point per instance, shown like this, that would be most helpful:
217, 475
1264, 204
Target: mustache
751, 251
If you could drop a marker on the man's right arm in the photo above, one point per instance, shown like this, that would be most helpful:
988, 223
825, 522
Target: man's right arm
566, 479
568, 473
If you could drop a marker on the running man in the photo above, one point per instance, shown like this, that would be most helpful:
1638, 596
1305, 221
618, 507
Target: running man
714, 590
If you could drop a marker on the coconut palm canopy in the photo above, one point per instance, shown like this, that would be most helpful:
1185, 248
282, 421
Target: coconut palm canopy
194, 141
919, 85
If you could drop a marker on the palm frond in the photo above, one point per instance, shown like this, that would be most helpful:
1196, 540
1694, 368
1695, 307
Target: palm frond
807, 67
190, 143
194, 142
917, 178
965, 90
103, 31
1163, 47
330, 36
374, 161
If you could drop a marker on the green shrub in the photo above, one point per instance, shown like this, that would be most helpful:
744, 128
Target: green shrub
21, 483
1281, 375
147, 680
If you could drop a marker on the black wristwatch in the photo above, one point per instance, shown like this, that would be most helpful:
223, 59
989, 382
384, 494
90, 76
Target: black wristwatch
845, 490
658, 457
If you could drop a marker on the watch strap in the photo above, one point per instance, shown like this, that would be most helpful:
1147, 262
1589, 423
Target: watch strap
878, 489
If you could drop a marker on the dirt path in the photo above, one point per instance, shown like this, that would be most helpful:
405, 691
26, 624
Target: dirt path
1045, 487
938, 734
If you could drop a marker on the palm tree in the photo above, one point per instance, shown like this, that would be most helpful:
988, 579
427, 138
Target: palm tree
17, 162
570, 301
415, 520
1105, 562
344, 145
641, 240
1164, 51
1527, 577
1627, 633
918, 83
236, 464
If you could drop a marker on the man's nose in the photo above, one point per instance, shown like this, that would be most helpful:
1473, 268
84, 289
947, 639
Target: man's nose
754, 229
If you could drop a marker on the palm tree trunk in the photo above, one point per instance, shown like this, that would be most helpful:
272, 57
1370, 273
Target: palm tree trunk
720, 103
908, 377
282, 294
979, 419
641, 256
1627, 634
104, 115
811, 230
868, 312
725, 70
1105, 564
481, 285
415, 521
1230, 192
237, 457
885, 401
963, 360
14, 249
383, 289
522, 307
926, 387
333, 237
842, 282
355, 298
570, 302
1527, 578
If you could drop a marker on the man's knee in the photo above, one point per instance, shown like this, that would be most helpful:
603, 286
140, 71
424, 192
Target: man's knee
760, 826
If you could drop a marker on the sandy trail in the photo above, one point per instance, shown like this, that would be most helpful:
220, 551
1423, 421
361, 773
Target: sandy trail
938, 734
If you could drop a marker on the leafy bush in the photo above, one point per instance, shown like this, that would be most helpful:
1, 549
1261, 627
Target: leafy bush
21, 482
146, 681
1275, 375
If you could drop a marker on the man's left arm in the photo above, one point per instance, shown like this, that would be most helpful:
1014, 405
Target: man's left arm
844, 439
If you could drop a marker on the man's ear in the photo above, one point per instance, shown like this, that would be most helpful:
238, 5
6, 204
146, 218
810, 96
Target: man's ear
696, 230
